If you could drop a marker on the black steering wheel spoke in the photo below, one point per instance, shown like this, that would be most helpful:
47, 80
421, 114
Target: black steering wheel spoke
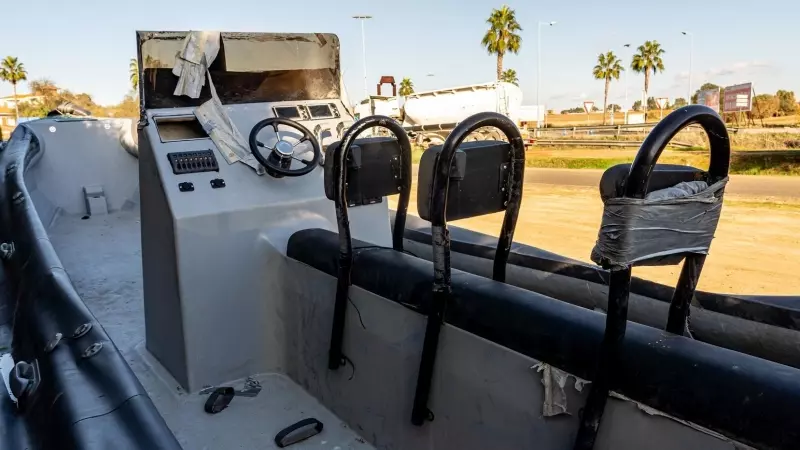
304, 161
305, 138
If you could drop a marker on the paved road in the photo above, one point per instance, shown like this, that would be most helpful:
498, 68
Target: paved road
760, 186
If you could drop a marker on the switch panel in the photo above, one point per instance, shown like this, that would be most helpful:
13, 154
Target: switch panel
193, 162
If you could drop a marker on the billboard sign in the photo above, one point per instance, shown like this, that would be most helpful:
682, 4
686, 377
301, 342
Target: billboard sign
710, 98
738, 98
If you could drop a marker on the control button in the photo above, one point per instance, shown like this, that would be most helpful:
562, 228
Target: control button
217, 183
186, 186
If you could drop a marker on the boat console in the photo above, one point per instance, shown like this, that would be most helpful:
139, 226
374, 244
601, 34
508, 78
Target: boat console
213, 199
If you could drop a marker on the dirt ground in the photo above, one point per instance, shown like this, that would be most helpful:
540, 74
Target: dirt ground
756, 249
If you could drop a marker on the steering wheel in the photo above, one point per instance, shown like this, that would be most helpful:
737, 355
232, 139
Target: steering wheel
279, 161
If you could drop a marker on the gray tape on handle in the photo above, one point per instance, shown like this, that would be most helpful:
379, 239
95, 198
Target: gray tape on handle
657, 230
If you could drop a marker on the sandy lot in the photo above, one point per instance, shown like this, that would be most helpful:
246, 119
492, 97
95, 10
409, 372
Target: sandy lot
756, 249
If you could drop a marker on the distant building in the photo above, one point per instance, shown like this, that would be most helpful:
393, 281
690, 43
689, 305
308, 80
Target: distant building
8, 102
8, 116
7, 121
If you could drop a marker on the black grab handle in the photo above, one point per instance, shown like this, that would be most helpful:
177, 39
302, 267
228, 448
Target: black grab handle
647, 157
340, 154
442, 290
441, 185
636, 185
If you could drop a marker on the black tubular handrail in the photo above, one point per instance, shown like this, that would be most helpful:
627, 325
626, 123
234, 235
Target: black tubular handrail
647, 156
442, 290
636, 186
340, 154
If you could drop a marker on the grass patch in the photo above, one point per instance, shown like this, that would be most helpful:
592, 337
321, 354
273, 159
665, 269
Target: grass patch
574, 163
784, 163
762, 204
695, 137
416, 153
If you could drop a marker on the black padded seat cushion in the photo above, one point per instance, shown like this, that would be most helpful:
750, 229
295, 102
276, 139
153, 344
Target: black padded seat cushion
746, 398
664, 176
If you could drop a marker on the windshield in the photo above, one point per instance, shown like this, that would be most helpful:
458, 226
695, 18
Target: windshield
250, 67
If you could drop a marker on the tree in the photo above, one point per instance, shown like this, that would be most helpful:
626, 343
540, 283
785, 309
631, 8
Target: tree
510, 76
129, 107
614, 108
502, 37
680, 102
637, 105
595, 108
575, 110
608, 67
43, 87
13, 71
406, 87
765, 105
52, 97
133, 71
648, 61
787, 102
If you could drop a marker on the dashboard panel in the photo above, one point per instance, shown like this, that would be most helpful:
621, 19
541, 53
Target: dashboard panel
307, 112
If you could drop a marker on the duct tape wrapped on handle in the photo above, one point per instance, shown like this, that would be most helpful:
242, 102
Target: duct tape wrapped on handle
660, 228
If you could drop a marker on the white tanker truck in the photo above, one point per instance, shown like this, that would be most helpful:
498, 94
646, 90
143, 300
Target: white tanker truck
430, 116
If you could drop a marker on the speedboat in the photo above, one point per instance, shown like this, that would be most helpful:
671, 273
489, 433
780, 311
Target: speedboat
233, 278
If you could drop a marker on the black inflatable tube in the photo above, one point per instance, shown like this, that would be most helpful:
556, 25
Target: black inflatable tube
777, 311
748, 399
81, 403
71, 109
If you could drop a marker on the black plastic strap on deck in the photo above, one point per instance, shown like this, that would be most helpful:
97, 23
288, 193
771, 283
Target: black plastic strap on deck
335, 356
298, 432
442, 290
636, 186
219, 399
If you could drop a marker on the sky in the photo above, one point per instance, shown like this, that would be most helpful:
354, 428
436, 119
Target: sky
85, 45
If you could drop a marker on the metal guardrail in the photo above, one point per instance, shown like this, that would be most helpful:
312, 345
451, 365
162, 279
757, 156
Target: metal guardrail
600, 127
598, 143
639, 126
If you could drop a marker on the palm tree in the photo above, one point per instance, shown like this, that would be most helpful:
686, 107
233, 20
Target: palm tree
133, 70
406, 87
648, 61
608, 67
501, 37
510, 76
13, 71
43, 86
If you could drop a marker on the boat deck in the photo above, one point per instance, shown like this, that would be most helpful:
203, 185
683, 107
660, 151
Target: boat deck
102, 255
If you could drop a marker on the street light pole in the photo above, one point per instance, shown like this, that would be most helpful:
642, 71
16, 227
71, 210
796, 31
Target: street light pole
362, 18
691, 56
625, 114
539, 70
